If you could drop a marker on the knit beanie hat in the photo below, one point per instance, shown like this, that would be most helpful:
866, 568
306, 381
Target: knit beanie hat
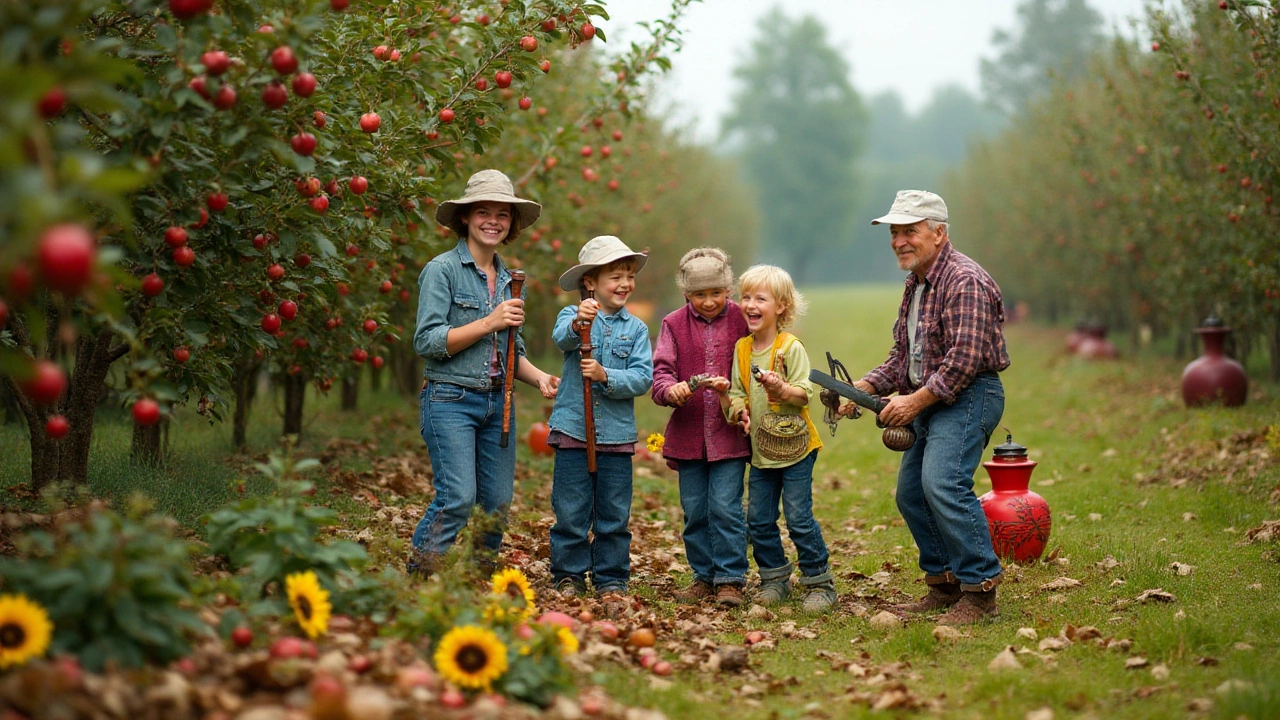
704, 269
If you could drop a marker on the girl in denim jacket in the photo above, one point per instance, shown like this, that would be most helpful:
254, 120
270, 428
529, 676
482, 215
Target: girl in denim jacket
465, 309
621, 370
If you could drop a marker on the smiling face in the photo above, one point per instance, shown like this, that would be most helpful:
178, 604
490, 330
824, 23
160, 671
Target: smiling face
916, 245
488, 223
760, 308
612, 284
709, 303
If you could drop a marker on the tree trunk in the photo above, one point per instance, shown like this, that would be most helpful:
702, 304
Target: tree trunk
145, 448
295, 393
406, 375
1273, 347
375, 378
244, 384
350, 394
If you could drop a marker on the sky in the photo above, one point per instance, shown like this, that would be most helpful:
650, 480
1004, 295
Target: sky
911, 46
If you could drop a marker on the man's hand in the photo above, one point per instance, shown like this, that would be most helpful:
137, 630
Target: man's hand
902, 409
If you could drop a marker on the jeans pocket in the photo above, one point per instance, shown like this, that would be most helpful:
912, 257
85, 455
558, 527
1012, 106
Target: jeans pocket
442, 392
992, 411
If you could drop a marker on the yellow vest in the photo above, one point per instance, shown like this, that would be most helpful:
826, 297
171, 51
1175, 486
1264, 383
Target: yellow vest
783, 342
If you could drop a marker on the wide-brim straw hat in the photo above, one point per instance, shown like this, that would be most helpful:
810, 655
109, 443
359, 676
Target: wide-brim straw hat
598, 252
487, 186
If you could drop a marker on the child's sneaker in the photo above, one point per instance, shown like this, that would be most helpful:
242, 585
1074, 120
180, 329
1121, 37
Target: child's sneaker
570, 588
819, 592
775, 585
696, 592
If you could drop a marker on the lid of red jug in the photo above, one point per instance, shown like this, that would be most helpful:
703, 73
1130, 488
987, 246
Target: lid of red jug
1010, 449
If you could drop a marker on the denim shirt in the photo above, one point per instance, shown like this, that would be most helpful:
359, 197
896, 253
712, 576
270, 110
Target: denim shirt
621, 343
454, 292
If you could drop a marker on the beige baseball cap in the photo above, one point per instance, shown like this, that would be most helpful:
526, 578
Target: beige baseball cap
912, 206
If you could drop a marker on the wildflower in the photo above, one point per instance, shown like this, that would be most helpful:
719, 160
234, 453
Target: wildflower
25, 630
512, 586
655, 442
568, 641
310, 602
471, 657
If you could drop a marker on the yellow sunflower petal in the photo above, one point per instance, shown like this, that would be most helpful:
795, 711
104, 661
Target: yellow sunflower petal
25, 630
512, 586
471, 657
568, 641
310, 603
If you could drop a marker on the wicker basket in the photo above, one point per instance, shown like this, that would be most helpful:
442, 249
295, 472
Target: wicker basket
781, 437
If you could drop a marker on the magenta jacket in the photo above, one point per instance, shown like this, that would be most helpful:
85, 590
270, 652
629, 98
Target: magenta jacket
689, 345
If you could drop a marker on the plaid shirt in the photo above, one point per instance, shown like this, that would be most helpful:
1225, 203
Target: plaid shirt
961, 329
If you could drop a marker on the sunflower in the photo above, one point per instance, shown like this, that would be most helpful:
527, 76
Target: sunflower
309, 601
568, 641
24, 630
512, 587
471, 657
655, 442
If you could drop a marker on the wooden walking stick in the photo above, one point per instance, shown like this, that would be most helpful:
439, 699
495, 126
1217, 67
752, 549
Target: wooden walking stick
585, 348
509, 379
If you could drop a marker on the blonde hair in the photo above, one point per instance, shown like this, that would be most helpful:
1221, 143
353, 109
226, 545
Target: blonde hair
779, 284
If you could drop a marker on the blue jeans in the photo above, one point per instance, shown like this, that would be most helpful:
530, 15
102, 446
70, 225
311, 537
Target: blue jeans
935, 483
602, 508
462, 428
715, 531
793, 486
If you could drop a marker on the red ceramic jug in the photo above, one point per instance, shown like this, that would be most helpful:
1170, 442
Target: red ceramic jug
1018, 518
1214, 377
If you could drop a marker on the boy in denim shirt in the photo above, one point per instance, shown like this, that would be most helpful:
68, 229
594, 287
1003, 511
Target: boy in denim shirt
620, 370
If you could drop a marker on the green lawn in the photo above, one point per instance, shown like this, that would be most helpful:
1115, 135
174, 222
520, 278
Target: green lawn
1136, 482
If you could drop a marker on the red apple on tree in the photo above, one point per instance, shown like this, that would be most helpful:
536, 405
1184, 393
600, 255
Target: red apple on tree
320, 204
182, 354
377, 362
284, 61
528, 43
370, 326
359, 355
502, 79
275, 272
217, 201
270, 323
320, 119
370, 122
46, 383
215, 62
526, 102
242, 636
66, 255
447, 115
588, 31
152, 285
302, 260
225, 98
385, 287
57, 427
274, 95
304, 84
184, 256
146, 412
288, 309
308, 187
304, 143
358, 185
545, 65
52, 103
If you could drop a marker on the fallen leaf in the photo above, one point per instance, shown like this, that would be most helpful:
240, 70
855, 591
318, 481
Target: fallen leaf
1160, 672
1095, 517
943, 633
1005, 660
1233, 685
1044, 713
1207, 661
1028, 634
1200, 705
1062, 583
1156, 595
885, 619
1242, 646
1134, 663
1188, 516
1182, 569
1055, 644
1107, 563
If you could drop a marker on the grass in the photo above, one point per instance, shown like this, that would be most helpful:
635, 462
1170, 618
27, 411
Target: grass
1131, 475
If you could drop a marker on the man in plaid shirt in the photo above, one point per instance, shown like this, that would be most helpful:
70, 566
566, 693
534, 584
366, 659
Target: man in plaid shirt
948, 346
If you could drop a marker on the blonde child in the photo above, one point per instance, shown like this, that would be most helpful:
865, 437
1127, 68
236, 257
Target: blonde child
691, 366
590, 536
769, 400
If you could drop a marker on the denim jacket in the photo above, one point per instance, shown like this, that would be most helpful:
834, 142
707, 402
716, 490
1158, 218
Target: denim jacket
621, 343
454, 292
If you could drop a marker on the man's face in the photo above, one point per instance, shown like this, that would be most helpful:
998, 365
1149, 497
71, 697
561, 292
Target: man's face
916, 246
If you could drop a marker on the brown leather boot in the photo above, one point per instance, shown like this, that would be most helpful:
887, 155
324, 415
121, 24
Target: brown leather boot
696, 592
730, 595
973, 607
944, 592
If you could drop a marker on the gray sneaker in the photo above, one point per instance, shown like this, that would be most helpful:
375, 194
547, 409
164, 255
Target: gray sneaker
775, 585
570, 588
819, 593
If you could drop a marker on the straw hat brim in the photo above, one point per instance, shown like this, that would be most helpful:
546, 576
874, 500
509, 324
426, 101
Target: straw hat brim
573, 276
450, 212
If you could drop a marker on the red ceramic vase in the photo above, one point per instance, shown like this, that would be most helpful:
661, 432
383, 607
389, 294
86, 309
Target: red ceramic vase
1214, 377
1018, 518
537, 439
1095, 345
